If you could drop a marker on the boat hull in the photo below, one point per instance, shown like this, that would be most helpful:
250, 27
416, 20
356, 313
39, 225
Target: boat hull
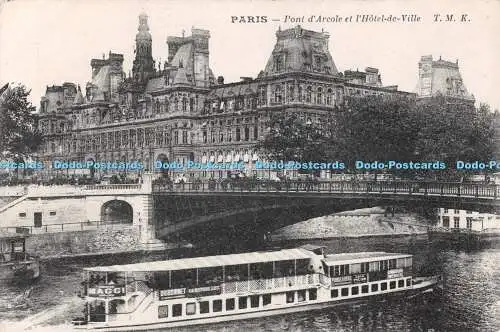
426, 286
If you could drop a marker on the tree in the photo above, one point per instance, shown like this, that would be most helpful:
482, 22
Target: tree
292, 138
19, 136
376, 128
452, 130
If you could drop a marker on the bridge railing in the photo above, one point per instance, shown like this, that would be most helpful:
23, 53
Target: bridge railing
356, 187
113, 187
65, 227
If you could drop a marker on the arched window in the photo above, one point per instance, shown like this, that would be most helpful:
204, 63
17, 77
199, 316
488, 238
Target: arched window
301, 91
247, 133
262, 96
184, 104
238, 134
329, 97
290, 93
278, 94
191, 104
256, 133
308, 94
319, 96
278, 63
167, 105
176, 104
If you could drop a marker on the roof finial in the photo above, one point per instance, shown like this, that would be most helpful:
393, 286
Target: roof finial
439, 58
183, 32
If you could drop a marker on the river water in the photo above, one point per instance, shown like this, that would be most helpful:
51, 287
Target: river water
470, 300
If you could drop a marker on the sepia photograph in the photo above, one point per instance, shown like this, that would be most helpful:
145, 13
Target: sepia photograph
249, 165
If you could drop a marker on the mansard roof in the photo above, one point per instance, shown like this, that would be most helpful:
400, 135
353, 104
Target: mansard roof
299, 49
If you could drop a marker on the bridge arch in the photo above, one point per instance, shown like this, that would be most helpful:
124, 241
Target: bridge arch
117, 212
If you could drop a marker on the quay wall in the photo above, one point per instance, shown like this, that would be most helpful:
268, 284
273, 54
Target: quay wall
53, 211
106, 239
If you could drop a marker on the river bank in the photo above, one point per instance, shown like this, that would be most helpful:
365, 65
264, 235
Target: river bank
370, 222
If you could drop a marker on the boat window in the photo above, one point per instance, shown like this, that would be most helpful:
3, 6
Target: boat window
183, 278
374, 287
313, 294
163, 311
116, 306
190, 308
204, 307
301, 295
374, 266
284, 268
364, 289
355, 268
354, 290
365, 267
266, 299
229, 304
392, 264
344, 291
217, 306
334, 292
210, 276
392, 284
408, 282
177, 310
242, 302
327, 269
400, 263
97, 311
236, 272
303, 266
254, 301
290, 297
383, 286
408, 261
384, 265
261, 271
401, 283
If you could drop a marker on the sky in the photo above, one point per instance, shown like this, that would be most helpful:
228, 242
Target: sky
47, 42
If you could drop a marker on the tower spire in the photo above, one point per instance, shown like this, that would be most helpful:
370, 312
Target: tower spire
143, 66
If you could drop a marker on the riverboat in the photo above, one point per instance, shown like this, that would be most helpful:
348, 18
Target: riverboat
16, 265
203, 290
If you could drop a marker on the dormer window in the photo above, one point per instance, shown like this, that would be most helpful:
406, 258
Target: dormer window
318, 62
278, 63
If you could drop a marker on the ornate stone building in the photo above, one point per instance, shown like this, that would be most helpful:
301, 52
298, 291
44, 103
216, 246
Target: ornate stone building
441, 78
178, 111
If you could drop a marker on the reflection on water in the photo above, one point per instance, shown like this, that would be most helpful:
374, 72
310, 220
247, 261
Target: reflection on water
470, 301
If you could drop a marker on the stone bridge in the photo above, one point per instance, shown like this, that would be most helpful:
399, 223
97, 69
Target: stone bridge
181, 207
161, 209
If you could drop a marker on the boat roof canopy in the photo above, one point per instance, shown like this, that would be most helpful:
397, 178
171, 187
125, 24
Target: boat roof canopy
208, 261
361, 257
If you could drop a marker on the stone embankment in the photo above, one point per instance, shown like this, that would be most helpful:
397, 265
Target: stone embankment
358, 223
104, 240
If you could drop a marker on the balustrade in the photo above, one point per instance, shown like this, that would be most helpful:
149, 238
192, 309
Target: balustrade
353, 187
